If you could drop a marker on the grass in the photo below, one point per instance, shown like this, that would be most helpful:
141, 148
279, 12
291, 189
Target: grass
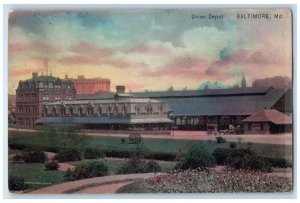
114, 164
150, 144
35, 175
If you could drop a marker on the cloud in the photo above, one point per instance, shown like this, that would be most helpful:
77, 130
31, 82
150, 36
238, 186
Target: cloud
190, 68
150, 50
35, 46
85, 48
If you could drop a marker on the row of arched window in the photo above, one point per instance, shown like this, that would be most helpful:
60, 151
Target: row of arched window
89, 111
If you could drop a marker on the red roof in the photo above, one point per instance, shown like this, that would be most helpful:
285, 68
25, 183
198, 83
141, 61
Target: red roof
269, 115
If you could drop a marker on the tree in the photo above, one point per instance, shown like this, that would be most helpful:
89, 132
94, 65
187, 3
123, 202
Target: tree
170, 89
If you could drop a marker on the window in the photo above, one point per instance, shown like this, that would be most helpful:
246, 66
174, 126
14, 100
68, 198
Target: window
109, 111
124, 110
116, 110
41, 84
54, 111
89, 111
99, 111
137, 110
50, 85
45, 112
63, 111
80, 112
71, 111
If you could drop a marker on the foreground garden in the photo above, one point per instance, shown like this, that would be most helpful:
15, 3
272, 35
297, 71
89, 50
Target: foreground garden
190, 166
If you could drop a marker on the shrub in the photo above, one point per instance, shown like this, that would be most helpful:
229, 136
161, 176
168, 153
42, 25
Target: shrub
276, 162
123, 140
196, 157
232, 145
136, 165
16, 146
16, 183
247, 159
19, 158
51, 165
89, 170
34, 157
68, 155
221, 155
152, 166
220, 140
93, 153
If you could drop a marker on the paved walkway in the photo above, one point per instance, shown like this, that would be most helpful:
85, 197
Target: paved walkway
107, 184
282, 139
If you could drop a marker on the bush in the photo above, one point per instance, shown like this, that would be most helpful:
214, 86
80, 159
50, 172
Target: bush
276, 162
68, 155
136, 165
152, 166
196, 157
16, 183
221, 155
34, 157
247, 159
51, 165
220, 140
93, 153
89, 170
232, 145
123, 140
19, 158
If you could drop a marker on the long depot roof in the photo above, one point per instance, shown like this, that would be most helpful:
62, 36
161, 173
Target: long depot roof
236, 101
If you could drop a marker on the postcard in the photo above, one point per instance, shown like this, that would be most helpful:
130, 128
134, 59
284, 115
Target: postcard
114, 101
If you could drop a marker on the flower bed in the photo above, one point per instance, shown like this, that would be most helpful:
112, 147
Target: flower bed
217, 181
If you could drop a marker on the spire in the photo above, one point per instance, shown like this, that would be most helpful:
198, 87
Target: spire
243, 82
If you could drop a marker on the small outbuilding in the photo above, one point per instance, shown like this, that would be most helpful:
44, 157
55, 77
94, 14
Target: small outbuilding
267, 121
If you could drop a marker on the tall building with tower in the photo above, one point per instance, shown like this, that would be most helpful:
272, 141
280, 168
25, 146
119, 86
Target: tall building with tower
33, 92
243, 82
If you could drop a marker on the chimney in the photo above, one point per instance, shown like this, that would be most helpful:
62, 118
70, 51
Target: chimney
34, 75
120, 89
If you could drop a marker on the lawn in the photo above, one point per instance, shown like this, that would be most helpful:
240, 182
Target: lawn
152, 145
114, 164
35, 175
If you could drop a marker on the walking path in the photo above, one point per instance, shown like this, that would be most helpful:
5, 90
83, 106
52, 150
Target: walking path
282, 138
107, 184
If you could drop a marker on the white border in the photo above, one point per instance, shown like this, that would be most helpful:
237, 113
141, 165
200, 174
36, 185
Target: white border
160, 4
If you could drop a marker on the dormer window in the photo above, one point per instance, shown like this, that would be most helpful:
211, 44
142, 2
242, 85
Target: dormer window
99, 111
89, 111
80, 112
71, 111
124, 110
54, 111
63, 112
137, 110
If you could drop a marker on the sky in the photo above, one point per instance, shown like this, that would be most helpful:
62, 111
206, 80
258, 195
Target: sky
149, 49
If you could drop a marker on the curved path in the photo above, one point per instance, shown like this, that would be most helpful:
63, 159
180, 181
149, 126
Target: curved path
106, 184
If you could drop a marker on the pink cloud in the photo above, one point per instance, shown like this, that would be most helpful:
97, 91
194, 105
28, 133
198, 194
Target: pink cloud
152, 50
88, 48
134, 86
80, 60
190, 68
35, 46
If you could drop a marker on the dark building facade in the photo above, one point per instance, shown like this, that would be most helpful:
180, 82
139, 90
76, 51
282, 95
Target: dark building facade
32, 93
90, 85
194, 109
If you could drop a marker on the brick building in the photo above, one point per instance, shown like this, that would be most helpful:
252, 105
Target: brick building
90, 85
32, 93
